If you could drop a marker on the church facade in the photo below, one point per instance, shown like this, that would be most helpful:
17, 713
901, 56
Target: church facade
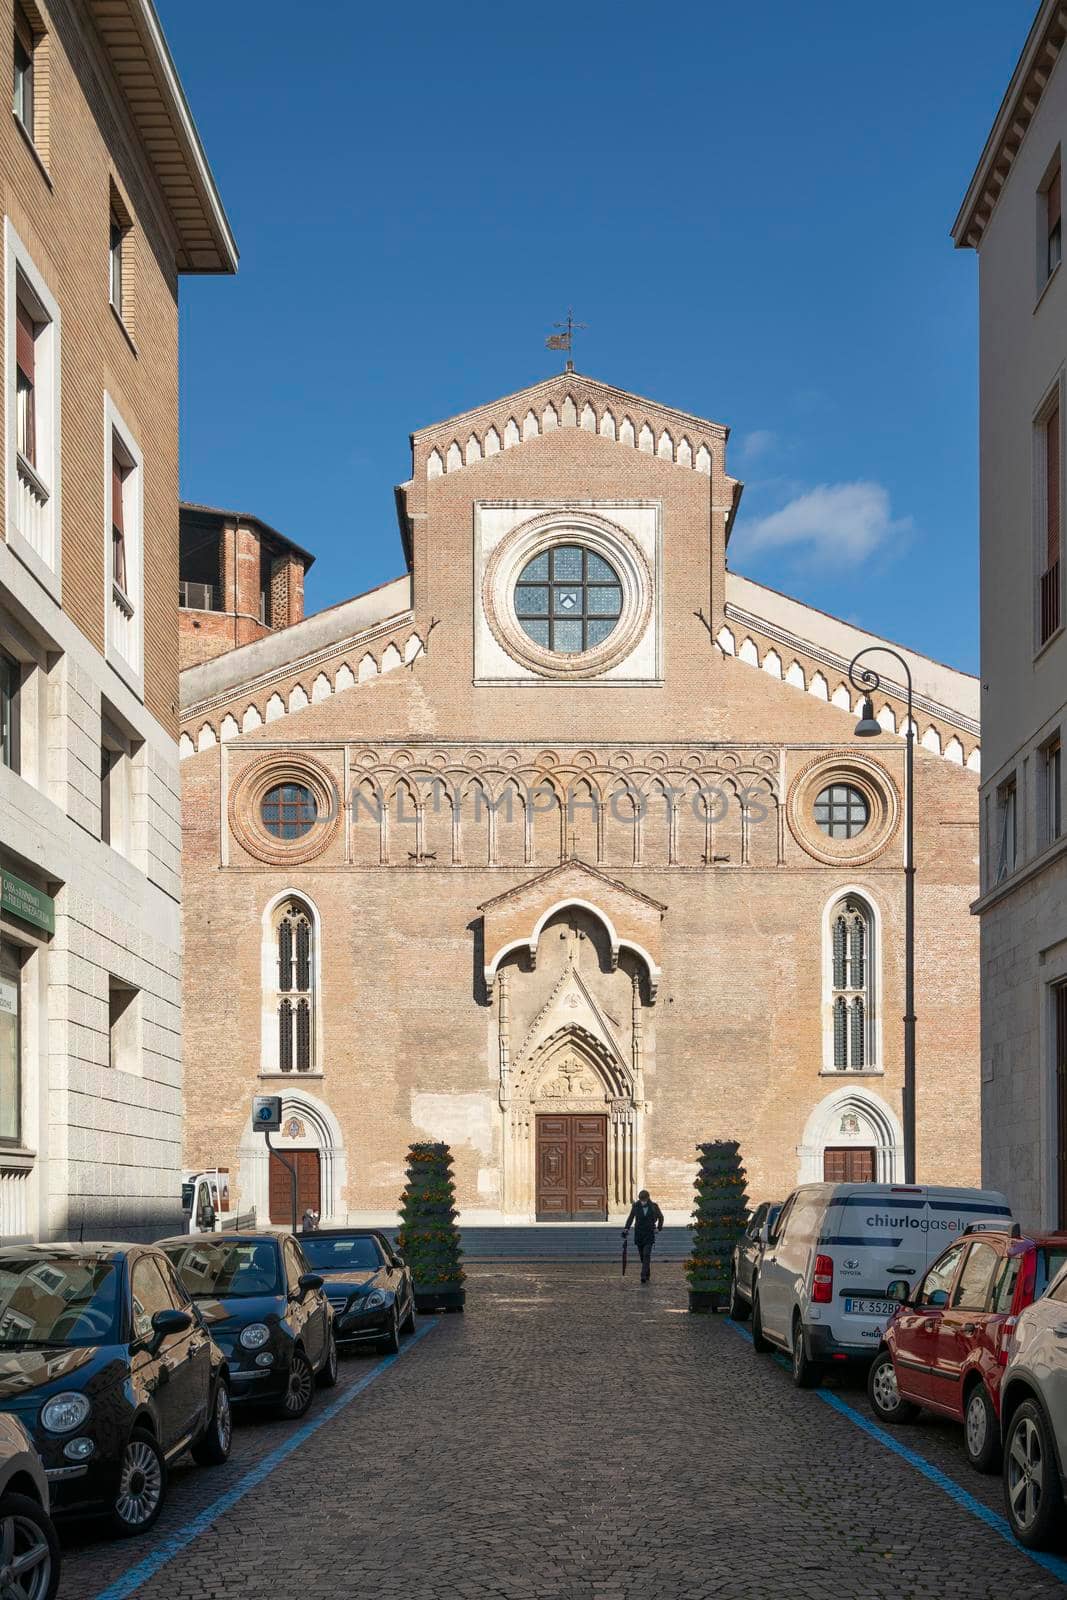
560, 847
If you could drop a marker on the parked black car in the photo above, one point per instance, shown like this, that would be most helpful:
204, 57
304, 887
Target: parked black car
266, 1311
747, 1252
105, 1362
368, 1284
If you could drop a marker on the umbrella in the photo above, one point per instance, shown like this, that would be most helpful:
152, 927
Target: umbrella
625, 1248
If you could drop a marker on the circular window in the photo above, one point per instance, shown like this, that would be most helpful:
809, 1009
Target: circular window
288, 810
568, 599
841, 811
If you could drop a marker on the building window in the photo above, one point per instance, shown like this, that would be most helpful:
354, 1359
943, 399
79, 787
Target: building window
10, 1045
1052, 764
568, 599
295, 937
1048, 604
289, 810
123, 1044
852, 985
120, 259
33, 467
1054, 247
22, 100
841, 811
10, 684
1008, 829
116, 760
123, 515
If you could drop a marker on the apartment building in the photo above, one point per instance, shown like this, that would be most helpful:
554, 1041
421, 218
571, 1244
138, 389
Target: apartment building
107, 200
1011, 215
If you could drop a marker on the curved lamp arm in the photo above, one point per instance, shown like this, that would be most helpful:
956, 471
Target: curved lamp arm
867, 679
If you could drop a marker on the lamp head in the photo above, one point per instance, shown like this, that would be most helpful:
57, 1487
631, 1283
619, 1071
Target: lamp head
868, 727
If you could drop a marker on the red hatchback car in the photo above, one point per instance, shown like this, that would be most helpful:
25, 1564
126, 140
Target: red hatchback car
946, 1348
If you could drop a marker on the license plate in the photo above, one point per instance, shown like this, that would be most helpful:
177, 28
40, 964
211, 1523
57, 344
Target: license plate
869, 1308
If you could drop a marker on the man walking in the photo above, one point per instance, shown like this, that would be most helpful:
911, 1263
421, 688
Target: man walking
646, 1218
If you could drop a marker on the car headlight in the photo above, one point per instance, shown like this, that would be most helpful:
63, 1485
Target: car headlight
375, 1298
255, 1336
64, 1412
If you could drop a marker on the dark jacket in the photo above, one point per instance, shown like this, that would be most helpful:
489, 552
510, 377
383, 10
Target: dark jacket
646, 1219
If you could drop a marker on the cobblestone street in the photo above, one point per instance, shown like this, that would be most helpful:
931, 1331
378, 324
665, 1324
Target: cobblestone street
574, 1437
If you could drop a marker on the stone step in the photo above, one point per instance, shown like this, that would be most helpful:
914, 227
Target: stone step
569, 1241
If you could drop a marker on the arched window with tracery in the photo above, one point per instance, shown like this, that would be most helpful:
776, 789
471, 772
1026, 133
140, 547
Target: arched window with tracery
852, 985
296, 983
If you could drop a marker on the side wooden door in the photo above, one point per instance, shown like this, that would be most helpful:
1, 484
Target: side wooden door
308, 1186
572, 1169
848, 1164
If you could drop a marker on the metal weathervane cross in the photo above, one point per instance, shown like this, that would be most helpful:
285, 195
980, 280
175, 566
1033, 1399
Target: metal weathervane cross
564, 339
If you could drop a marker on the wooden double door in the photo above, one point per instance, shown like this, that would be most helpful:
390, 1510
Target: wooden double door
848, 1164
572, 1169
308, 1185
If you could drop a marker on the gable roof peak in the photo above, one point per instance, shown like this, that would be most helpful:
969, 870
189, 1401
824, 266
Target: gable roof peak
577, 383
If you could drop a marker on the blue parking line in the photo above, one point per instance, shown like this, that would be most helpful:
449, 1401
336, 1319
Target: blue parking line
1054, 1564
172, 1546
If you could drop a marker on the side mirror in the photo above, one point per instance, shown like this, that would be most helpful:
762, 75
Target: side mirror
309, 1281
764, 1235
938, 1299
398, 1261
208, 1218
167, 1323
900, 1291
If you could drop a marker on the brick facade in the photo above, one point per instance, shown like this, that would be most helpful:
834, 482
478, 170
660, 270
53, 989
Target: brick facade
674, 974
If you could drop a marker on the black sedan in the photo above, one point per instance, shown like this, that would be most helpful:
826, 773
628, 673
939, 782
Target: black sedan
104, 1361
368, 1285
266, 1311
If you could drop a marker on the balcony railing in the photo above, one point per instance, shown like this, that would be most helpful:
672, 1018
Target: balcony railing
197, 596
1050, 601
32, 512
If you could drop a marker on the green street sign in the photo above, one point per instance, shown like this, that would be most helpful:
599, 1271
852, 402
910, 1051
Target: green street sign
23, 900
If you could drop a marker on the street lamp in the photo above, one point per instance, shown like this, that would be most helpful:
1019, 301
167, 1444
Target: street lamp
869, 727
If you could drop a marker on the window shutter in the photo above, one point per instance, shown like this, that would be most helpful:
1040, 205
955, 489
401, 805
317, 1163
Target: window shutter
840, 1035
303, 955
859, 1036
303, 1037
859, 940
25, 335
839, 953
1052, 470
285, 954
116, 492
285, 1036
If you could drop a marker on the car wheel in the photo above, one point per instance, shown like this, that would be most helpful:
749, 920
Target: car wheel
29, 1550
740, 1309
883, 1393
1032, 1496
299, 1390
390, 1345
142, 1485
981, 1430
408, 1324
761, 1345
806, 1373
328, 1371
213, 1446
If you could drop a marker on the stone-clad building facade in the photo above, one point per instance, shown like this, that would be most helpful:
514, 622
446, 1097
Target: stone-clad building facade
560, 847
107, 199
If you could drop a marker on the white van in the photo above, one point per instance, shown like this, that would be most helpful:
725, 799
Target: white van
821, 1291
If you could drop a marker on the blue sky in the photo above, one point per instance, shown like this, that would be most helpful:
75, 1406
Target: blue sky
749, 206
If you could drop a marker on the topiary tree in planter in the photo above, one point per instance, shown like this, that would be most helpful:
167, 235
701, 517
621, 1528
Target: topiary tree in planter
428, 1237
720, 1217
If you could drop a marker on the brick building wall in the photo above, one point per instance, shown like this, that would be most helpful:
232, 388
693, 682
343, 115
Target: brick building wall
425, 1018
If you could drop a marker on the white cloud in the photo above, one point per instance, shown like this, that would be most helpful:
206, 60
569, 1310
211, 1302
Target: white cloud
834, 522
757, 443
